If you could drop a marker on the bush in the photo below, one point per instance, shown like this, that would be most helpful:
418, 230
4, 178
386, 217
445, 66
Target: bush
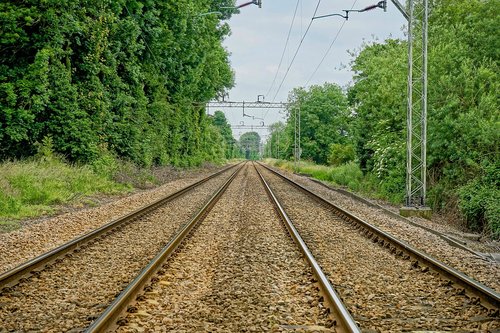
106, 165
349, 175
478, 201
340, 154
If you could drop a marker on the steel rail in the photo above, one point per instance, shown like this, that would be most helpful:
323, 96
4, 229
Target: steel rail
443, 236
489, 298
108, 319
37, 264
340, 312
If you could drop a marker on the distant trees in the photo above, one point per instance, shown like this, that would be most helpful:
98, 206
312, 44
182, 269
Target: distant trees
277, 144
325, 128
250, 145
127, 78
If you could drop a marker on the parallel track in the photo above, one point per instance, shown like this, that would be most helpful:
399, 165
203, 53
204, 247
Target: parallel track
35, 265
110, 318
489, 298
69, 286
341, 249
345, 323
113, 317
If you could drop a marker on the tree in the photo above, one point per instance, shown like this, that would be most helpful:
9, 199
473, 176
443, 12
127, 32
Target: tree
463, 119
277, 143
378, 99
250, 144
220, 121
121, 76
324, 117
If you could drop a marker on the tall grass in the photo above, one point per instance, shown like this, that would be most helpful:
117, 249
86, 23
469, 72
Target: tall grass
34, 187
348, 175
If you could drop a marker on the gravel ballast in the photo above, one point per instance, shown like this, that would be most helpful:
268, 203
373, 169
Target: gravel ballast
484, 271
383, 292
36, 238
238, 272
75, 291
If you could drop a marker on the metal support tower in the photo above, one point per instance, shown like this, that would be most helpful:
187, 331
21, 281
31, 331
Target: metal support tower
296, 143
247, 105
416, 146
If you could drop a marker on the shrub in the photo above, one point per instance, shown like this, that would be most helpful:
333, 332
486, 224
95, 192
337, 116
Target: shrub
340, 154
478, 201
349, 175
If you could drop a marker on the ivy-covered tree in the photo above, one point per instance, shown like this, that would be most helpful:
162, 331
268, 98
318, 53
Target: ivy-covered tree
121, 76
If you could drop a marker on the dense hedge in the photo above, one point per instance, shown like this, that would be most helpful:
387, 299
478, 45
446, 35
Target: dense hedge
123, 76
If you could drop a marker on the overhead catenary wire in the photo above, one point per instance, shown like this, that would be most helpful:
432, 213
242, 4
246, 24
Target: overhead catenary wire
284, 49
296, 52
329, 48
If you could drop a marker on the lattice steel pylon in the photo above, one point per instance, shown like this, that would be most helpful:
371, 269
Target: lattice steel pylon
296, 142
416, 148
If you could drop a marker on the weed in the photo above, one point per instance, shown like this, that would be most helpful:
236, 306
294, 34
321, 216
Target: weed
33, 187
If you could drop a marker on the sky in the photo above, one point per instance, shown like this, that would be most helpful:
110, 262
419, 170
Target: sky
259, 36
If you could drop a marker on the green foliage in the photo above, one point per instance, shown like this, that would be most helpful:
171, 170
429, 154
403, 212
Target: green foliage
324, 119
250, 145
341, 154
463, 119
118, 77
220, 122
277, 143
30, 188
378, 97
478, 201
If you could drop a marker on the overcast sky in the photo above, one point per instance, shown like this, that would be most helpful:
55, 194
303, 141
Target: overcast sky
259, 36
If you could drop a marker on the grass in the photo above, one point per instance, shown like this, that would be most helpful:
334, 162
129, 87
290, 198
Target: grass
44, 185
348, 175
36, 187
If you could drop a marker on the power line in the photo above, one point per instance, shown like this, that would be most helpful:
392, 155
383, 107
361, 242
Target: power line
326, 53
330, 47
284, 49
297, 51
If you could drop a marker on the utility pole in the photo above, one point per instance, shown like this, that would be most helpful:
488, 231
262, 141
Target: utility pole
296, 146
278, 146
416, 141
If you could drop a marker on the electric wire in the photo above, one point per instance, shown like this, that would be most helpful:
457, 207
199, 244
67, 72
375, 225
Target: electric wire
297, 51
329, 48
284, 49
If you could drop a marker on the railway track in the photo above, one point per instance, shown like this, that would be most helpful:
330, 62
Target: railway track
237, 272
233, 268
386, 284
68, 287
433, 242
